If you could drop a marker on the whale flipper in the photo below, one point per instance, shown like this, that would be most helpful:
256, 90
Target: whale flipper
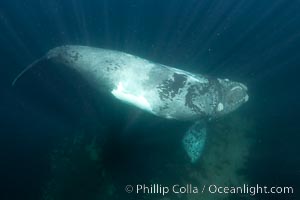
194, 140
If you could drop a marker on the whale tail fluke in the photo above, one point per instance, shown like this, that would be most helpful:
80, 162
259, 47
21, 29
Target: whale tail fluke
27, 68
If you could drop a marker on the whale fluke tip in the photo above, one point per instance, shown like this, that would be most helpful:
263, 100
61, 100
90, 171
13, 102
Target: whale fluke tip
25, 70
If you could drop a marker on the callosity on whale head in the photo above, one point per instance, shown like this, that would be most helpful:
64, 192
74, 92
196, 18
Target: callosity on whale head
234, 94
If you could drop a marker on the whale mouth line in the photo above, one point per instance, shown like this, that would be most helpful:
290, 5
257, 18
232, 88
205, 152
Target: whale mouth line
236, 88
244, 99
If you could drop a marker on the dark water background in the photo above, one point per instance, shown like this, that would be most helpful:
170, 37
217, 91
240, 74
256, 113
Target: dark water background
255, 42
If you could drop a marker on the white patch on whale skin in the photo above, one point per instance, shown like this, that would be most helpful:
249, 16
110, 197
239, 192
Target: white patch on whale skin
220, 107
136, 100
168, 116
246, 98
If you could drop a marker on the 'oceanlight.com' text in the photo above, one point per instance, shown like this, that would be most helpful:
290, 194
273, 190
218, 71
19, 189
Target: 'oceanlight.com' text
213, 189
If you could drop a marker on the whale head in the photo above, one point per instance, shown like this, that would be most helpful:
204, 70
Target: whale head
234, 95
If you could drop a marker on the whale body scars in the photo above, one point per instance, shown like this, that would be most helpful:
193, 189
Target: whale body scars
158, 89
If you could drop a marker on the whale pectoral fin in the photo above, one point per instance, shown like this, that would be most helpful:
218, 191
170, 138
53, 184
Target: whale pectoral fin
194, 141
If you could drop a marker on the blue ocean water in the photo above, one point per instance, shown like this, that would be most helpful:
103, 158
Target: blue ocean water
254, 42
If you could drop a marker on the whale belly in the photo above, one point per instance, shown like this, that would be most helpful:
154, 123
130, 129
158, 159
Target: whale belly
129, 96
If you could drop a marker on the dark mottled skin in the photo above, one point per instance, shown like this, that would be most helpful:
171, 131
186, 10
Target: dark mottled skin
111, 65
193, 91
204, 89
66, 52
170, 87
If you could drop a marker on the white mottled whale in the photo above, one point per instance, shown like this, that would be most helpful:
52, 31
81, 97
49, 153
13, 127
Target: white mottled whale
158, 89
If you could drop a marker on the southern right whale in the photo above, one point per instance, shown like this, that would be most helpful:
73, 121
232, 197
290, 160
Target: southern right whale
161, 90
